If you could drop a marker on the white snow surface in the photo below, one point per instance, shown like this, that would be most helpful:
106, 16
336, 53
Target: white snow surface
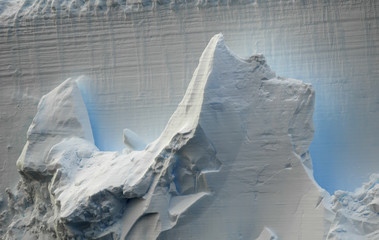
231, 163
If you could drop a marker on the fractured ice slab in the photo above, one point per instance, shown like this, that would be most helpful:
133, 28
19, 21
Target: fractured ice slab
232, 160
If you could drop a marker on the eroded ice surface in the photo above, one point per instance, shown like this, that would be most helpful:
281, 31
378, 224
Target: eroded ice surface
231, 163
357, 213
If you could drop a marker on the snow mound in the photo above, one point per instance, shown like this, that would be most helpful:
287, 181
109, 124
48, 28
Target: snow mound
232, 160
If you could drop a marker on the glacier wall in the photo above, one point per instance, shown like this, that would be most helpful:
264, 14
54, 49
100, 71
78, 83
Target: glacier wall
232, 162
146, 58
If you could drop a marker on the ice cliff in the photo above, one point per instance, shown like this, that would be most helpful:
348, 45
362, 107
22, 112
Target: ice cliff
231, 163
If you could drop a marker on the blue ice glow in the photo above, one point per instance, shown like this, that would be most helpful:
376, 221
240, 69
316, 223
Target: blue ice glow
102, 128
345, 147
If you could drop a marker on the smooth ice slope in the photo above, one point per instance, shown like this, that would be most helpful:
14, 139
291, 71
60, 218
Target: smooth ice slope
230, 157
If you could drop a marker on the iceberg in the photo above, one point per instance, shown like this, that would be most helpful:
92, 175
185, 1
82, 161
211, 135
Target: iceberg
232, 163
141, 55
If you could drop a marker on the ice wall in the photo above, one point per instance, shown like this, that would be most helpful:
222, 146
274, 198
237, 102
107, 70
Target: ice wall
148, 56
232, 162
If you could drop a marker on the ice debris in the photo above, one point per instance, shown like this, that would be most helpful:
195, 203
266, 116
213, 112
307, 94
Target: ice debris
357, 213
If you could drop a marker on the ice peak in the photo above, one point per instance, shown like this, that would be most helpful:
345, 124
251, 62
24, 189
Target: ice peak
217, 40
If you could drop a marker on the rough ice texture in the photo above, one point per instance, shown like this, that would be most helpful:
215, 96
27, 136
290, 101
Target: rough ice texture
68, 8
141, 63
232, 152
140, 66
232, 162
74, 191
357, 213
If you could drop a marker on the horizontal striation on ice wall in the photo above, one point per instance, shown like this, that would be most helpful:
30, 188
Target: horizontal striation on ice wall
46, 8
149, 57
232, 162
